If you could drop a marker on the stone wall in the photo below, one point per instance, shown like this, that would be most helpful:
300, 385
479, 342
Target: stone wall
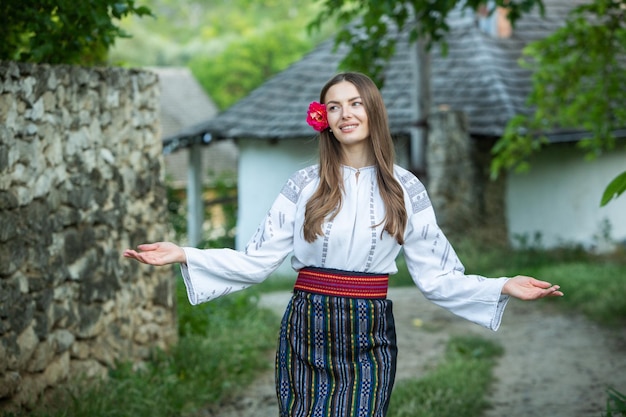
80, 180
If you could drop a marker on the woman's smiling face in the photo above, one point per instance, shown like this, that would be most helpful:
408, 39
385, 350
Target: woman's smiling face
347, 118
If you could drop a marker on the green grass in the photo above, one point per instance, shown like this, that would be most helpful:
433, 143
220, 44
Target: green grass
456, 388
595, 289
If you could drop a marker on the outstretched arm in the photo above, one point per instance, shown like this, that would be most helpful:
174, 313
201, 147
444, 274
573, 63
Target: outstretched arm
528, 288
158, 254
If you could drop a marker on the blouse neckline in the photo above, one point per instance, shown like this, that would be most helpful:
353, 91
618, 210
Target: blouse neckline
369, 167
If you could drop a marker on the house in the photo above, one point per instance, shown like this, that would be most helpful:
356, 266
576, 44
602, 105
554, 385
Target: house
480, 77
184, 104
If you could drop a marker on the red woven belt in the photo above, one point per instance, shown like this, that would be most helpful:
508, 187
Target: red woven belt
342, 283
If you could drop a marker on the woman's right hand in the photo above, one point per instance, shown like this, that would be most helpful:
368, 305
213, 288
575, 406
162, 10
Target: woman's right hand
158, 254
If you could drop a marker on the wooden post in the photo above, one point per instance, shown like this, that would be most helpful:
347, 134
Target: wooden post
419, 133
195, 204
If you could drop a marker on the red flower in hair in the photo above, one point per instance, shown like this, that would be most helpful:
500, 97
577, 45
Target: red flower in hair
316, 116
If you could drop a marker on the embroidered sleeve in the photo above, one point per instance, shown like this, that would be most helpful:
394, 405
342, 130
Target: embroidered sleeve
211, 273
437, 270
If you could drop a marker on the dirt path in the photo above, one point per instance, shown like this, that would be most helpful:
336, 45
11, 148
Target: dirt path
554, 365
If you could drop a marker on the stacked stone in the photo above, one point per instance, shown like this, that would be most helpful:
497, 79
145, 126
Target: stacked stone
81, 179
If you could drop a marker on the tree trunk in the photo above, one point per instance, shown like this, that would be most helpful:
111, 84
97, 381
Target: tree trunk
452, 181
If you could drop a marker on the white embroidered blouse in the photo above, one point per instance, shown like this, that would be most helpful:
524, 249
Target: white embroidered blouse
351, 243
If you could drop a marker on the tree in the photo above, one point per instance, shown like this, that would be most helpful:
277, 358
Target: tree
62, 31
579, 80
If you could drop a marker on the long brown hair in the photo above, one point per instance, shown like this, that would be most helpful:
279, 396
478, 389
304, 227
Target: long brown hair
327, 199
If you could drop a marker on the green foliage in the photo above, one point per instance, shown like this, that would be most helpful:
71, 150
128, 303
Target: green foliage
62, 31
176, 212
578, 81
231, 47
189, 23
367, 27
515, 146
247, 63
223, 189
614, 189
456, 388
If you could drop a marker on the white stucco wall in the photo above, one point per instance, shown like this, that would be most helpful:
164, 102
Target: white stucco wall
559, 198
263, 170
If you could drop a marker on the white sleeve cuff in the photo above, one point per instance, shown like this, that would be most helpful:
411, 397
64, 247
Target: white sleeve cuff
497, 317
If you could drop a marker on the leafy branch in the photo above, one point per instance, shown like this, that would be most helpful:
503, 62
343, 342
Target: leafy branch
62, 31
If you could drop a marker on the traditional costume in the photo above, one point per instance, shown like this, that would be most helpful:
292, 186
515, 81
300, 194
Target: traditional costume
337, 347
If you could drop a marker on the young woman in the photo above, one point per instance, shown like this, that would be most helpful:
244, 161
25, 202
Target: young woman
345, 220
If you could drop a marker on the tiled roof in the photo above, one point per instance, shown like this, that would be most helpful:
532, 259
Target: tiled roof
479, 76
184, 102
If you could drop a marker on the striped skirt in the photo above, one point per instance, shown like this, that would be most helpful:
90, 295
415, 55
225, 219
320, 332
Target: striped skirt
336, 356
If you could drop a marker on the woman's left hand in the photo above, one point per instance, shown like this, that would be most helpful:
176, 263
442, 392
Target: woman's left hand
158, 254
528, 288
